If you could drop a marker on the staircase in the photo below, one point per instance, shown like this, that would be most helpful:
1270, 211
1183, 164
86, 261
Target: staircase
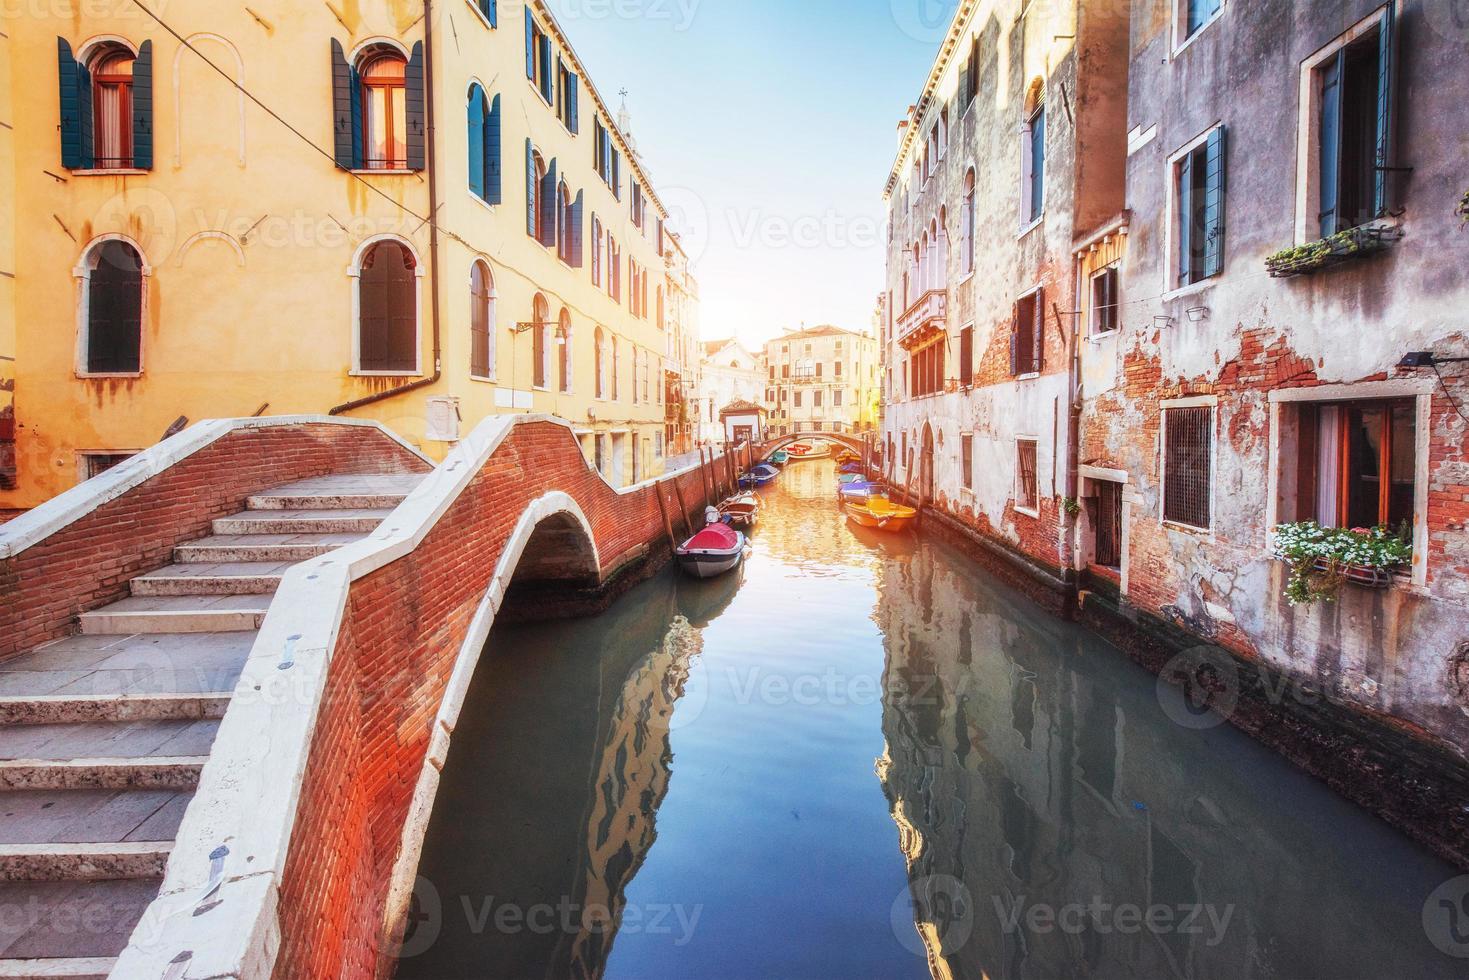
103, 734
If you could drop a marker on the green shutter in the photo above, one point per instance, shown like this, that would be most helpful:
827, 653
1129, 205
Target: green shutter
345, 114
475, 141
71, 93
1330, 148
573, 91
548, 205
413, 99
143, 107
530, 44
494, 189
530, 188
1214, 199
575, 231
1186, 231
1386, 70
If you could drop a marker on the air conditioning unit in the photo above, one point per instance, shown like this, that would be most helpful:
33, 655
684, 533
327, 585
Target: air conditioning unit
442, 423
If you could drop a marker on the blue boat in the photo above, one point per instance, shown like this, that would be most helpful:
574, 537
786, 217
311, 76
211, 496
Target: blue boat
860, 490
760, 476
850, 468
779, 458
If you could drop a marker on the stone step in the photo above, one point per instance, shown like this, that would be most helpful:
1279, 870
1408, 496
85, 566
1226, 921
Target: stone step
64, 709
177, 614
235, 548
90, 816
74, 968
108, 739
83, 862
335, 521
159, 772
276, 500
200, 664
210, 578
58, 920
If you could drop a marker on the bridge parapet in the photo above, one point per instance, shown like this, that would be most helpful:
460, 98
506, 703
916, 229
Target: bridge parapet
298, 854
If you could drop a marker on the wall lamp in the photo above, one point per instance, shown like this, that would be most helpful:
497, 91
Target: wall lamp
1427, 358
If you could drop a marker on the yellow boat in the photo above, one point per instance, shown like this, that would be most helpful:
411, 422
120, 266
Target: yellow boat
847, 456
878, 512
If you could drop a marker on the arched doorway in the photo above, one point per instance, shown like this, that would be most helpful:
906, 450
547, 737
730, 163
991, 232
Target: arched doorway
925, 465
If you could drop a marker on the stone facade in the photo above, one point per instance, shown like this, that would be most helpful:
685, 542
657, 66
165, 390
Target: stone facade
1289, 373
728, 373
824, 378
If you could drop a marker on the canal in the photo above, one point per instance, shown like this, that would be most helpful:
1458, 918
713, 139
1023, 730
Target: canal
863, 757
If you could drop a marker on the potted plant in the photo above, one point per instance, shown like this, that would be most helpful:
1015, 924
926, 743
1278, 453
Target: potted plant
1322, 559
1342, 247
1463, 208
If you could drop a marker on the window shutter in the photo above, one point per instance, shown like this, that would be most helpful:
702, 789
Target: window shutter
616, 172
549, 205
1330, 151
72, 92
573, 92
1186, 230
560, 90
1038, 337
494, 184
476, 142
1387, 52
143, 107
963, 86
344, 111
1214, 204
530, 44
530, 188
414, 108
1015, 340
492, 11
576, 230
548, 91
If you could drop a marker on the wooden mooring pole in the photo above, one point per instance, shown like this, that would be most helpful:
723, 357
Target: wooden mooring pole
667, 524
683, 507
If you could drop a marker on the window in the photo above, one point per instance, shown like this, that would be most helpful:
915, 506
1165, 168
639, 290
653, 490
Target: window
563, 223
928, 369
483, 141
1105, 307
1356, 463
638, 208
1034, 183
966, 357
601, 454
112, 336
966, 459
836, 398
96, 463
1196, 14
1108, 549
563, 353
967, 222
1027, 335
1353, 86
616, 367
387, 311
543, 198
489, 10
816, 398
596, 251
1027, 496
568, 93
385, 112
836, 369
1188, 466
599, 354
106, 107
481, 321
796, 403
538, 57
541, 315
1198, 186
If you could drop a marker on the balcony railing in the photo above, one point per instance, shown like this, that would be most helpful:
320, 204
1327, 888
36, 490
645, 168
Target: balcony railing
929, 311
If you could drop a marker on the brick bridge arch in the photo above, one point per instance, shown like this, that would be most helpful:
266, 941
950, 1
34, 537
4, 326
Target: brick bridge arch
853, 441
299, 853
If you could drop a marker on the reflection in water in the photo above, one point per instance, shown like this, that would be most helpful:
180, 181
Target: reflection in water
697, 767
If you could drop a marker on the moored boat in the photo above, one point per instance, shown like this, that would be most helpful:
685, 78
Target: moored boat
779, 458
712, 552
742, 510
759, 476
877, 511
814, 450
847, 456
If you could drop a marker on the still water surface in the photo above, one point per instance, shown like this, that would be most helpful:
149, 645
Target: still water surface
864, 758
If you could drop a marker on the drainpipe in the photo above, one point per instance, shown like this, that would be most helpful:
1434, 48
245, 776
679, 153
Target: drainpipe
433, 228
1070, 574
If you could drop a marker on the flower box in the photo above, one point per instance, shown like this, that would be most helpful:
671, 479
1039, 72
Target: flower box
1321, 559
1342, 247
1362, 575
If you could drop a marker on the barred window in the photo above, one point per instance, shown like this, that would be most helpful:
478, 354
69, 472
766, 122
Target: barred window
966, 457
1109, 524
1026, 494
1188, 473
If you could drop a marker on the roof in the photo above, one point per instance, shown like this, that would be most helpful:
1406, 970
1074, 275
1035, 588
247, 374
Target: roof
741, 407
957, 26
825, 330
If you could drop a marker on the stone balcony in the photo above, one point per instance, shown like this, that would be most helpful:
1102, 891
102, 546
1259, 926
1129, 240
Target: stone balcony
927, 315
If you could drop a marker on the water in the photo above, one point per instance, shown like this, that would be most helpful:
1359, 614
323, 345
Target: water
864, 758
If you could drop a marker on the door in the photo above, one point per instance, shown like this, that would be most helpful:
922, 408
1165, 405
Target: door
619, 454
925, 466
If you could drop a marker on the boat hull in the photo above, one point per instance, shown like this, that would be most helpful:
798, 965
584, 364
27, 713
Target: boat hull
708, 565
861, 514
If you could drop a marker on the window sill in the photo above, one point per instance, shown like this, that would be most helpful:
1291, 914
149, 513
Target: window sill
1183, 46
1199, 532
482, 379
1030, 512
84, 375
1027, 376
1192, 289
964, 279
111, 172
481, 202
358, 373
1097, 338
1032, 226
382, 171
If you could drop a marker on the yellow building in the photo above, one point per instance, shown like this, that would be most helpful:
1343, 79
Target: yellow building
824, 378
7, 276
238, 223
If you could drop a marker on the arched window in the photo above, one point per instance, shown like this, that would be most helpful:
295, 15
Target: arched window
484, 146
536, 206
387, 309
1034, 184
481, 321
541, 312
563, 352
112, 329
616, 366
600, 356
967, 222
563, 222
111, 68
596, 251
384, 110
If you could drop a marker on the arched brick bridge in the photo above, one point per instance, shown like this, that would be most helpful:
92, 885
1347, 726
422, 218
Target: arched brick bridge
297, 854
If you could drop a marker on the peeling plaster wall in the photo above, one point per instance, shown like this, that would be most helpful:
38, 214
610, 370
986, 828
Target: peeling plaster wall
1384, 651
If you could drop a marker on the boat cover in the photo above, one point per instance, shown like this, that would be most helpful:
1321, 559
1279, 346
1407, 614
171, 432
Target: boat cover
715, 537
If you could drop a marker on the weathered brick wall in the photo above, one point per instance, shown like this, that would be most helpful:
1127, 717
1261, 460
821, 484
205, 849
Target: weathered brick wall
89, 562
403, 628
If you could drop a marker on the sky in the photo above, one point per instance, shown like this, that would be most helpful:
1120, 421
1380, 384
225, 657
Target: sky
768, 128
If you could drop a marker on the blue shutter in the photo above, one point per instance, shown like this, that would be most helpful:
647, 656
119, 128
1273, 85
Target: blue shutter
1214, 204
530, 188
476, 142
575, 230
84, 117
494, 183
1386, 70
530, 44
68, 74
548, 205
559, 102
346, 118
573, 119
491, 11
616, 172
547, 89
143, 107
1330, 149
1185, 219
413, 106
